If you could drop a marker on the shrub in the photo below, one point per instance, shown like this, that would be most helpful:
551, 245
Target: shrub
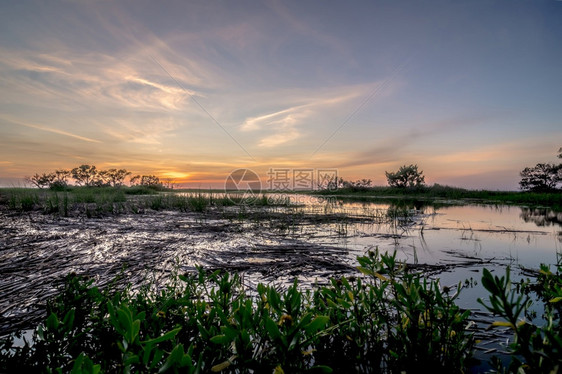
406, 177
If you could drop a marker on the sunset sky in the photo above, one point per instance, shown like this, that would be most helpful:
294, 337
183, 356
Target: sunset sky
471, 91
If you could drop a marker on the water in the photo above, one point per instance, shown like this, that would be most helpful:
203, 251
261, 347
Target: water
464, 240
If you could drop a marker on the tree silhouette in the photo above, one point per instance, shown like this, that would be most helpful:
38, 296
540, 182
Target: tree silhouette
114, 177
85, 175
41, 180
541, 178
407, 176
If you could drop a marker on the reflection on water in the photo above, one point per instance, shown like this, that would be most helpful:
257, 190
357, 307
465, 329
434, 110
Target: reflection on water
541, 216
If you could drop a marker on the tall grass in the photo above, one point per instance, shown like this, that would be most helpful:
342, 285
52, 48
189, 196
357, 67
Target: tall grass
97, 201
89, 200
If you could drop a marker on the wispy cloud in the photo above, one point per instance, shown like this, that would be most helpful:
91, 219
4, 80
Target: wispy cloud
123, 81
52, 130
283, 123
286, 125
286, 130
149, 131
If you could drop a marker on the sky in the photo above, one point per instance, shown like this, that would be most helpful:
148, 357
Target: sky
470, 91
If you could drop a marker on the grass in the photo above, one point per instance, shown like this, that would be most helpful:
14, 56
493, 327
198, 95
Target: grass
99, 201
82, 200
550, 199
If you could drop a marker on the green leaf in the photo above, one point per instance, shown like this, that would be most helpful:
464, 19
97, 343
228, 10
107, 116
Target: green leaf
122, 347
272, 328
316, 324
366, 271
304, 321
344, 303
132, 359
220, 339
84, 365
488, 282
68, 319
186, 361
245, 337
77, 367
158, 354
52, 322
167, 336
135, 328
147, 352
175, 357
230, 333
125, 320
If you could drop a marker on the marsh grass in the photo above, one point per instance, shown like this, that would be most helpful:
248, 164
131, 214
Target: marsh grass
82, 199
277, 212
439, 192
96, 201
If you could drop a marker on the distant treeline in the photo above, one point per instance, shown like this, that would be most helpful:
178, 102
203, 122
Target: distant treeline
90, 176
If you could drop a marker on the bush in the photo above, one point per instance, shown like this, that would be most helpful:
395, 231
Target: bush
406, 177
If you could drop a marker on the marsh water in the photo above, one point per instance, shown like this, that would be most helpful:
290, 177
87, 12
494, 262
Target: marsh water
311, 240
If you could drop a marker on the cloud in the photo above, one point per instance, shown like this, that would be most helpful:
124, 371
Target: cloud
149, 131
257, 123
130, 80
50, 129
286, 131
286, 125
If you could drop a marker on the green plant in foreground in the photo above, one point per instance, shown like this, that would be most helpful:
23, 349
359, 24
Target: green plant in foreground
385, 320
535, 349
390, 315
